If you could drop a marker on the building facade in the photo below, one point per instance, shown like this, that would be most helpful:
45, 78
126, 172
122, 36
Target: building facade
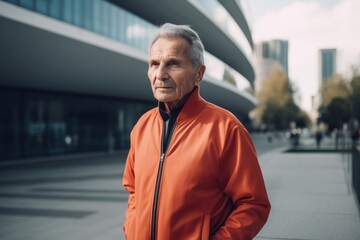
73, 72
327, 63
270, 55
276, 50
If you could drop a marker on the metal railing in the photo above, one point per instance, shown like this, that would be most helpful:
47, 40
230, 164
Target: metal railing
356, 170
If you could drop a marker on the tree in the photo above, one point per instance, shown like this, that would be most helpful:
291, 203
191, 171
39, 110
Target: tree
337, 113
335, 109
276, 107
335, 87
355, 93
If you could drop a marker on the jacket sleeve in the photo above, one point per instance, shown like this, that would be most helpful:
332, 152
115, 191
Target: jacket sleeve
129, 185
241, 179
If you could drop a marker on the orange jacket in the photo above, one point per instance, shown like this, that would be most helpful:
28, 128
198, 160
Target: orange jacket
211, 183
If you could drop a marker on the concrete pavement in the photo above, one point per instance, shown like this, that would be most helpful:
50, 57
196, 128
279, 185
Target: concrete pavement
82, 198
311, 197
70, 199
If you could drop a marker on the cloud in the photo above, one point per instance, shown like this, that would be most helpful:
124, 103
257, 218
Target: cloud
308, 27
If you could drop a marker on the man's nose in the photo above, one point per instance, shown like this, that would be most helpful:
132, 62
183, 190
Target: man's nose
162, 73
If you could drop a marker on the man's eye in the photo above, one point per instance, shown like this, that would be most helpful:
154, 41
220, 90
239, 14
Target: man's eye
154, 64
173, 63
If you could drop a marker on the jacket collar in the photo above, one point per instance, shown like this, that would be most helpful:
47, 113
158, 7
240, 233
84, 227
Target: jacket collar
175, 112
191, 108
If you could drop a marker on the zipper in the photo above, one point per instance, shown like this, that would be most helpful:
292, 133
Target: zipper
164, 149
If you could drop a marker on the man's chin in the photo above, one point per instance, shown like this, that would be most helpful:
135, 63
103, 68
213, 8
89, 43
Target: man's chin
165, 97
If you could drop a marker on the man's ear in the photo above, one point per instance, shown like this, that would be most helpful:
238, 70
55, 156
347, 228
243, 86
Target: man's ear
199, 74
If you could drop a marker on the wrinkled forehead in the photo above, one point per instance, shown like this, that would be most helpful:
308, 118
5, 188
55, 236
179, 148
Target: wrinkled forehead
166, 46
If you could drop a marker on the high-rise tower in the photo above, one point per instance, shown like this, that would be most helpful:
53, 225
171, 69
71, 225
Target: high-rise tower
327, 63
275, 50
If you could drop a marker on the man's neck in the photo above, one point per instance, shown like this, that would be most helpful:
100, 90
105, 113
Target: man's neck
170, 106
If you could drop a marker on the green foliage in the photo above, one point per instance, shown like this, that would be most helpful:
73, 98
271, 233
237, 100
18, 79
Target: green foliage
355, 94
276, 107
303, 120
336, 113
341, 101
335, 87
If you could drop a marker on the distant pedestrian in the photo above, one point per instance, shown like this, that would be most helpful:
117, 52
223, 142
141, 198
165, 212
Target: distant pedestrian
294, 137
355, 136
318, 138
192, 170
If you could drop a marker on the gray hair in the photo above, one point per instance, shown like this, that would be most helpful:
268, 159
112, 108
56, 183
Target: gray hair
186, 32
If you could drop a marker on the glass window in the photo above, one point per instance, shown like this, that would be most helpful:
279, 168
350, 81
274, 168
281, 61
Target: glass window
97, 16
10, 124
43, 123
41, 6
122, 26
35, 130
67, 11
27, 4
144, 39
226, 23
127, 22
55, 9
11, 1
138, 32
113, 22
93, 125
129, 30
57, 135
106, 17
88, 14
78, 12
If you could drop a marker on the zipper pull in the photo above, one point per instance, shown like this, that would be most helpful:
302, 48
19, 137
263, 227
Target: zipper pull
162, 157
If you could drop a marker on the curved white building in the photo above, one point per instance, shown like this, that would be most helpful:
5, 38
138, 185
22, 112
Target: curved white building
73, 72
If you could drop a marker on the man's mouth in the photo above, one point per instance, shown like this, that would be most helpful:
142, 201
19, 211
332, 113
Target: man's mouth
164, 87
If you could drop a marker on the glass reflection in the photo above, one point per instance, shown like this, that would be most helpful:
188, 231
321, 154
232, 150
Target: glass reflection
44, 123
219, 14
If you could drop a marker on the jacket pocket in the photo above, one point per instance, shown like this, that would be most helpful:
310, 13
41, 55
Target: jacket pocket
221, 212
205, 233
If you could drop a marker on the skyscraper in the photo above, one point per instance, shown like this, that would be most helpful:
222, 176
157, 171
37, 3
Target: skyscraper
269, 55
327, 63
275, 50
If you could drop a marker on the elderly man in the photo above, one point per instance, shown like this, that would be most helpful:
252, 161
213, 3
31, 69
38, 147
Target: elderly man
192, 170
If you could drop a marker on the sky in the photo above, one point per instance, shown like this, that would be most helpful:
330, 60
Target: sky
310, 25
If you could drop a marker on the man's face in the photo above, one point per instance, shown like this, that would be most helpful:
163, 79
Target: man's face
171, 72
